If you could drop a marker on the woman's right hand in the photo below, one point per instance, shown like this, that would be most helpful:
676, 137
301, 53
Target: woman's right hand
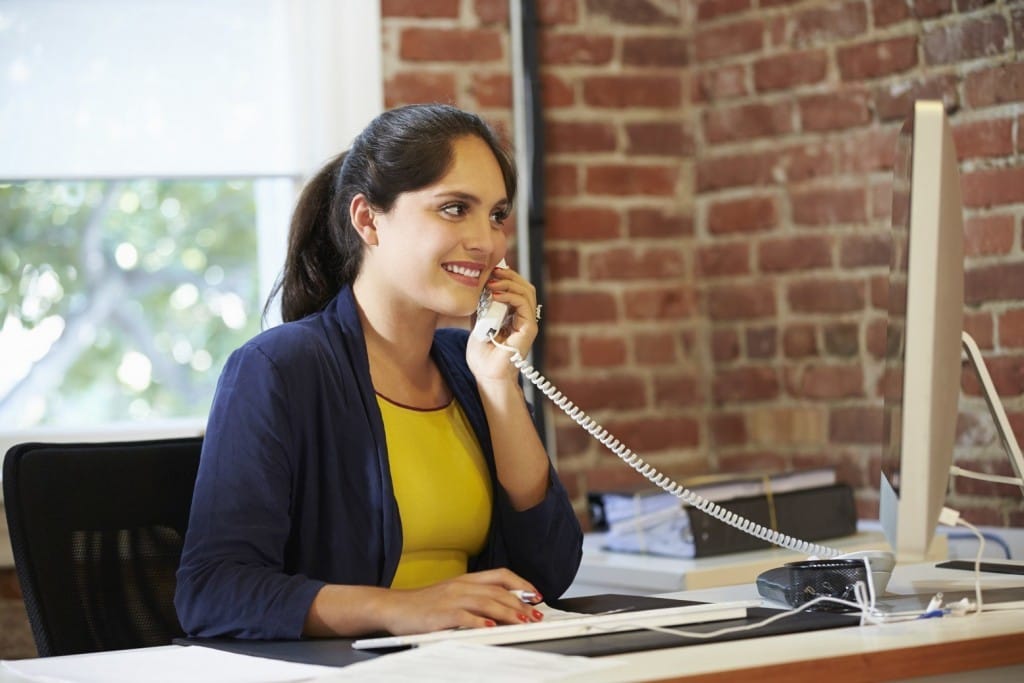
474, 600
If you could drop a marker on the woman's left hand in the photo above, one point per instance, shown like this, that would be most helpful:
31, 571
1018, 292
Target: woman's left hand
491, 362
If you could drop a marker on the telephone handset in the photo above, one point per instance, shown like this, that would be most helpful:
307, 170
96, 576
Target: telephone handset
491, 315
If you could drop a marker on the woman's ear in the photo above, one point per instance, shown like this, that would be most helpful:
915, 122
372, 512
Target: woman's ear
363, 219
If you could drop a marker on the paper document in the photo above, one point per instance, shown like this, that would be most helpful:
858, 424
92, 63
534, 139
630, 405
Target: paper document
168, 664
456, 662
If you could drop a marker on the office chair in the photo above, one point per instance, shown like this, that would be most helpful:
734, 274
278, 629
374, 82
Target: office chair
97, 530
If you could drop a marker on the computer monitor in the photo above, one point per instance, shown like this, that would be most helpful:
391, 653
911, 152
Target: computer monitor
926, 302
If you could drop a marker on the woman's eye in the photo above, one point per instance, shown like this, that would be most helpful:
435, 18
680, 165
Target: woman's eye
454, 210
499, 217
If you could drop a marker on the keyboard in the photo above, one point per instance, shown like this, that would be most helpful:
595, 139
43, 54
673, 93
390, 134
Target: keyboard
570, 626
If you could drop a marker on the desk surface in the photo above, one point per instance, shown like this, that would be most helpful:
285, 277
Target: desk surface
886, 652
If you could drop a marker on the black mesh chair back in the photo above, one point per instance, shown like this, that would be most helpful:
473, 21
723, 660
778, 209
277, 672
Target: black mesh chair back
97, 531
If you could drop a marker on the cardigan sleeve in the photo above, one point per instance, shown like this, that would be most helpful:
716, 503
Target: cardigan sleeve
232, 579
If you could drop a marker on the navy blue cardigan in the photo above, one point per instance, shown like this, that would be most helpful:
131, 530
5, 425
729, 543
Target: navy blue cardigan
294, 489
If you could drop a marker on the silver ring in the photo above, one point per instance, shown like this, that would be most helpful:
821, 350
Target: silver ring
537, 312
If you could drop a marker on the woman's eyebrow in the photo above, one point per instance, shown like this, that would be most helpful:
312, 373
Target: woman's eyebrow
468, 197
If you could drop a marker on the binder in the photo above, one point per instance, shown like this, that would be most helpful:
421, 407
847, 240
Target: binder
608, 508
810, 514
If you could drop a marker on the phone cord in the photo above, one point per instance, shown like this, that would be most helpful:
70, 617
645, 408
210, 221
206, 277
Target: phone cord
651, 473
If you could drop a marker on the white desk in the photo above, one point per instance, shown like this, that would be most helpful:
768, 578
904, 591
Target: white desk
602, 571
923, 648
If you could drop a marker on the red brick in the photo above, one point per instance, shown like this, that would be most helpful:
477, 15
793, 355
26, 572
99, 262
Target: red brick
995, 85
877, 338
562, 49
860, 251
834, 111
993, 187
561, 180
1007, 374
880, 199
895, 101
580, 307
492, 90
855, 425
762, 343
646, 222
628, 263
656, 433
626, 180
749, 214
1011, 328
420, 8
728, 429
745, 384
825, 296
887, 12
877, 58
737, 38
985, 138
713, 9
551, 12
566, 137
830, 23
565, 262
799, 341
790, 70
879, 292
1017, 24
725, 346
557, 352
716, 173
661, 138
602, 392
653, 51
637, 12
670, 302
842, 339
410, 87
929, 9
988, 235
967, 39
582, 223
676, 390
794, 253
720, 260
451, 45
632, 92
555, 92
656, 348
491, 11
747, 121
721, 83
827, 382
740, 302
999, 282
828, 206
867, 151
602, 351
981, 327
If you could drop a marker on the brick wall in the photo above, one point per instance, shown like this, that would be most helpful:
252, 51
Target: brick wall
718, 179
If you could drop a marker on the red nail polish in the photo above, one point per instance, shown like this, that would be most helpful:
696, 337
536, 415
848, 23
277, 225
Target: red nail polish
522, 618
488, 623
538, 615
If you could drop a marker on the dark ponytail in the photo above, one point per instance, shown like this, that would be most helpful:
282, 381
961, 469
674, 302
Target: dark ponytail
402, 150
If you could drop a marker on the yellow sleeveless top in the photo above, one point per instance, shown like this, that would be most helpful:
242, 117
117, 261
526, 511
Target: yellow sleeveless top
443, 489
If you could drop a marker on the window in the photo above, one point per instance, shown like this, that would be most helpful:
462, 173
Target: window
152, 155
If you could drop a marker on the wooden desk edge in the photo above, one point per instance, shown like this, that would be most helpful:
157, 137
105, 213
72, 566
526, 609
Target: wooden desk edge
885, 665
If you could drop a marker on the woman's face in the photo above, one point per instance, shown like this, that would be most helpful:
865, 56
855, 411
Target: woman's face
437, 245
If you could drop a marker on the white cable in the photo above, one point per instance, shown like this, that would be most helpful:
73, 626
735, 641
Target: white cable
993, 478
651, 473
977, 561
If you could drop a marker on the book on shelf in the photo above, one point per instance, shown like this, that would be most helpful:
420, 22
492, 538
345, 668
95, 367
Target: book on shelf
609, 508
808, 514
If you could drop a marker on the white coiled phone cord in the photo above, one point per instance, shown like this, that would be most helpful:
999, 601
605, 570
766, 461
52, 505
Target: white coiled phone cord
650, 473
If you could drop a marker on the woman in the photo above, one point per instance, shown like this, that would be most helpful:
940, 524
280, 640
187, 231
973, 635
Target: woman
363, 470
